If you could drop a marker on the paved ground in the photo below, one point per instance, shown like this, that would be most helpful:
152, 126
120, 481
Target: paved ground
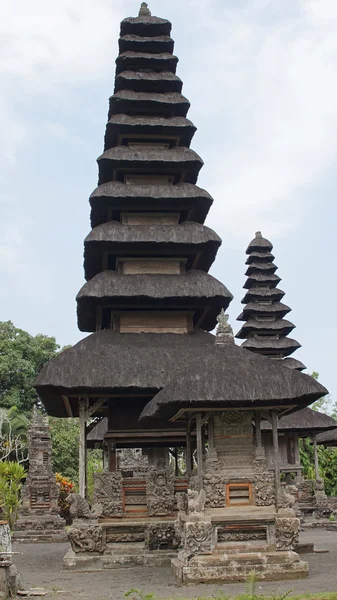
40, 565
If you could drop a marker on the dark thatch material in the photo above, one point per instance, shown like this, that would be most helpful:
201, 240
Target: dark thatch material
260, 267
189, 200
165, 105
259, 257
293, 363
137, 43
97, 433
259, 244
179, 127
328, 438
145, 26
148, 160
278, 309
191, 291
271, 345
263, 294
257, 278
197, 243
109, 362
228, 378
280, 326
144, 60
148, 81
304, 422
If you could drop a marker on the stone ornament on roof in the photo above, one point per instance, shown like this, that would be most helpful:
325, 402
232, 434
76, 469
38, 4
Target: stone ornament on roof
224, 332
144, 11
258, 235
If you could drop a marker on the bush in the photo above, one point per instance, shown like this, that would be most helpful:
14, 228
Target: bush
11, 477
66, 487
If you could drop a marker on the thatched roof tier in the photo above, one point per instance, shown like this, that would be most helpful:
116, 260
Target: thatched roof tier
197, 243
304, 422
161, 105
227, 378
144, 60
255, 257
261, 267
109, 199
108, 362
171, 129
271, 346
328, 438
259, 244
261, 294
278, 326
148, 81
97, 433
276, 309
194, 291
146, 26
293, 363
257, 279
138, 43
184, 164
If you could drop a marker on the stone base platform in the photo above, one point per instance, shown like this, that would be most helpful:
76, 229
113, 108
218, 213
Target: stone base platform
116, 557
235, 567
40, 529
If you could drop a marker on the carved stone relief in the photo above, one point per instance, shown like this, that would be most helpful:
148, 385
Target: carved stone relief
87, 537
287, 531
265, 493
198, 537
160, 536
108, 498
160, 491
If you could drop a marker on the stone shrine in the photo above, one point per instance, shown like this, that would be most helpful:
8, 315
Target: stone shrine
39, 515
152, 368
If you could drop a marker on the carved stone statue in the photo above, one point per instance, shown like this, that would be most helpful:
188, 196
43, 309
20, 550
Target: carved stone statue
287, 497
87, 537
79, 507
195, 502
144, 10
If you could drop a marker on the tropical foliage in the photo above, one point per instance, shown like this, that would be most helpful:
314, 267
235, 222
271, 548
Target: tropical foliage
66, 487
11, 477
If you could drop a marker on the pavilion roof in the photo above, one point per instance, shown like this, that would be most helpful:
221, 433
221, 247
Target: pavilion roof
328, 438
303, 422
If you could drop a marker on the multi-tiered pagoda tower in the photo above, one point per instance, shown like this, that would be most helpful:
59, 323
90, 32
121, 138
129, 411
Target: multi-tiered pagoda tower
266, 330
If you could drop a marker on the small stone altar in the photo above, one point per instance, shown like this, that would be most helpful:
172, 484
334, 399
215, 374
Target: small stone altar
39, 519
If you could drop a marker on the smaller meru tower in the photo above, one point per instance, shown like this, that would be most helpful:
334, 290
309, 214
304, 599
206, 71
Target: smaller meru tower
265, 329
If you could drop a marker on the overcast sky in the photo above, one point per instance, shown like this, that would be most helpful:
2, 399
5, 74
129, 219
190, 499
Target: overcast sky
261, 79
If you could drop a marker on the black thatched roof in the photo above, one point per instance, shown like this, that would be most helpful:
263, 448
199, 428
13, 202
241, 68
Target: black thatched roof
97, 433
192, 201
259, 257
138, 43
188, 291
145, 60
261, 267
148, 81
303, 422
269, 279
232, 377
145, 26
282, 346
328, 438
165, 105
280, 326
197, 243
255, 308
259, 243
181, 162
263, 293
178, 127
293, 363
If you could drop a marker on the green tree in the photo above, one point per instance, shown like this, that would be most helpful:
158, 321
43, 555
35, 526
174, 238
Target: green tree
22, 357
11, 476
65, 439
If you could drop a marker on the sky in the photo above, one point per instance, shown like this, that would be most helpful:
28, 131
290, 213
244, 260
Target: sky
261, 79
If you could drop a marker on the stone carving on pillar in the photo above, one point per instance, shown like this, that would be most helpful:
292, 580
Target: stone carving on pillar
287, 497
160, 490
194, 528
323, 510
215, 488
224, 332
108, 497
87, 537
265, 493
198, 537
287, 531
162, 536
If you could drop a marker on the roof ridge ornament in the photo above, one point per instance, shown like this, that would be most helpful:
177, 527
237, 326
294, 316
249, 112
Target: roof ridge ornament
224, 332
144, 11
258, 235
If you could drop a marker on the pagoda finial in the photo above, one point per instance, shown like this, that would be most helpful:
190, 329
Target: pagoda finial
258, 234
144, 11
224, 332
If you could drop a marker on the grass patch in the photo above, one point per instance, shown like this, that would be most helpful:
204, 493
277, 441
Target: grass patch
136, 594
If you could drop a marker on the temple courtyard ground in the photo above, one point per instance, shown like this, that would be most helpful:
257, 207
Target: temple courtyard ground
40, 566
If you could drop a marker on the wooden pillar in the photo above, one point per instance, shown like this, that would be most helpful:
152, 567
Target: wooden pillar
188, 448
210, 431
176, 466
199, 452
258, 436
314, 441
112, 458
82, 475
274, 417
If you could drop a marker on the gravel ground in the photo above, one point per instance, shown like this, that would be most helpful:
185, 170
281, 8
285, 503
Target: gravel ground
40, 565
